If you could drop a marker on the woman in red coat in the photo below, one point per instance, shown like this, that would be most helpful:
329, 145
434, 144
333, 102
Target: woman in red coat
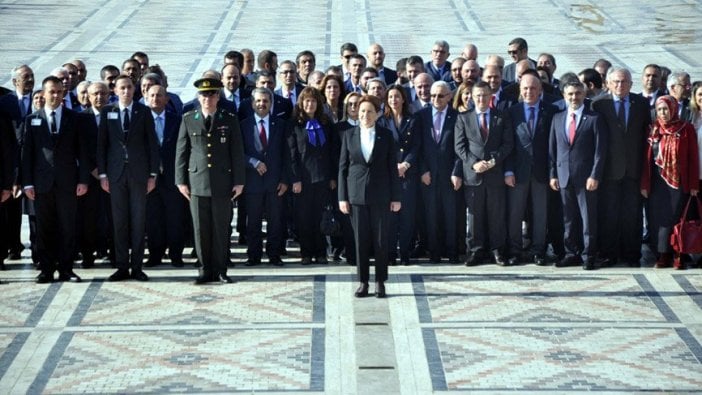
670, 173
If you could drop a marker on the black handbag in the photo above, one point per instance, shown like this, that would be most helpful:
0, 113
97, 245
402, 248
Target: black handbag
329, 226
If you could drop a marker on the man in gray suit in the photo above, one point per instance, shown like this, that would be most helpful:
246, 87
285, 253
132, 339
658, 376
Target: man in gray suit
518, 49
210, 172
128, 162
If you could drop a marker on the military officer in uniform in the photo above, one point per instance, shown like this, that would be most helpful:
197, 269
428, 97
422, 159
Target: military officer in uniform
210, 172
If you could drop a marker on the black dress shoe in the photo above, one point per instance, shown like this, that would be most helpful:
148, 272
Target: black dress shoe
178, 262
224, 279
152, 262
435, 259
514, 260
361, 291
45, 277
119, 275
540, 260
453, 259
252, 262
405, 261
2, 264
242, 240
418, 252
322, 260
471, 259
569, 260
203, 278
380, 289
69, 276
589, 264
15, 256
139, 275
275, 261
635, 264
88, 262
499, 260
306, 260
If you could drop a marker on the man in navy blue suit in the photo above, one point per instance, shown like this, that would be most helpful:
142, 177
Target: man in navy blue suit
441, 172
165, 206
577, 149
376, 59
267, 177
439, 68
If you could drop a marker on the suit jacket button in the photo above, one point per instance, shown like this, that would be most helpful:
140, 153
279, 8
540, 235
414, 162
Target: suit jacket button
209, 155
209, 165
209, 145
209, 134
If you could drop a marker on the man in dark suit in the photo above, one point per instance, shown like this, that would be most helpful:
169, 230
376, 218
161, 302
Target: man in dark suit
577, 149
627, 116
70, 100
233, 91
681, 89
53, 173
413, 67
267, 178
517, 49
441, 173
422, 84
289, 88
305, 61
483, 140
439, 68
280, 108
210, 173
526, 172
369, 190
165, 206
14, 107
8, 148
500, 100
128, 162
226, 105
93, 221
376, 59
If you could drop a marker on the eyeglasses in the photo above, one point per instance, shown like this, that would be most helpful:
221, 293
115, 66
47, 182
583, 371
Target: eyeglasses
512, 52
287, 71
208, 93
353, 104
347, 57
439, 96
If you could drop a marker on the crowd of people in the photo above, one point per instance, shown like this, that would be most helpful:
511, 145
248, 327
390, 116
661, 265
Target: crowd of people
438, 159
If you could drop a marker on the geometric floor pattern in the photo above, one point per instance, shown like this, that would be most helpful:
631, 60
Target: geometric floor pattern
515, 333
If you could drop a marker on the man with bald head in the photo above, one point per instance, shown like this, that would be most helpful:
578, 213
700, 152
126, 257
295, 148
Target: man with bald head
526, 172
470, 71
500, 99
70, 100
470, 52
495, 60
376, 59
422, 85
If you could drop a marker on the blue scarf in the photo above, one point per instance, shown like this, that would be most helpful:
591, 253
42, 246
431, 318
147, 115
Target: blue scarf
315, 133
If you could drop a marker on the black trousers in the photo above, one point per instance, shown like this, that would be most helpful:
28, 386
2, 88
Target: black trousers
87, 220
402, 223
486, 204
165, 225
128, 200
580, 221
56, 229
270, 204
309, 204
620, 219
370, 229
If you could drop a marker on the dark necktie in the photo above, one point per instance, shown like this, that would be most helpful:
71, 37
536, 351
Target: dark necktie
621, 113
54, 129
208, 123
262, 135
125, 122
484, 126
571, 128
532, 120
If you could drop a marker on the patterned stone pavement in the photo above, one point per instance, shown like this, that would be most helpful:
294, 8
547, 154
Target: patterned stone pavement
298, 329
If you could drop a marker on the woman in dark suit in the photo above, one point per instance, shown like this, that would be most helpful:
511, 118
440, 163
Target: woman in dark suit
399, 121
369, 190
669, 174
311, 145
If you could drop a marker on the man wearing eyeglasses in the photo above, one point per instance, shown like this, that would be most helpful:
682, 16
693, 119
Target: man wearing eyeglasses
441, 173
289, 88
439, 68
517, 49
681, 89
210, 173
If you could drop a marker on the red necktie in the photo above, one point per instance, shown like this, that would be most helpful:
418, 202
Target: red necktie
484, 126
262, 135
493, 99
571, 128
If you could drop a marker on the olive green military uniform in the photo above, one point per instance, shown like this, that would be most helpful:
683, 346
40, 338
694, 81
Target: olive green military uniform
211, 162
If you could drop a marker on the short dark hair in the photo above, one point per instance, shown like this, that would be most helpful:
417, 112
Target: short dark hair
236, 55
482, 85
520, 42
139, 54
110, 68
130, 60
570, 79
348, 47
265, 56
591, 76
305, 53
653, 65
53, 79
415, 59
